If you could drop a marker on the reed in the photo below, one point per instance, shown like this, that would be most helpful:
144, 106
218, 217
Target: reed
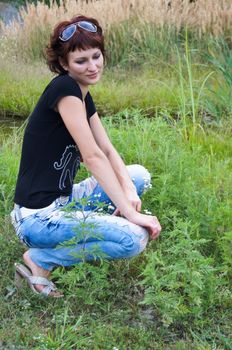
27, 36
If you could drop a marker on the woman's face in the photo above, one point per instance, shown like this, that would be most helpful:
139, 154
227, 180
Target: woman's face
85, 66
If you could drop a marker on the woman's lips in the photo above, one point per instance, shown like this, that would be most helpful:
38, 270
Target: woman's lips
92, 76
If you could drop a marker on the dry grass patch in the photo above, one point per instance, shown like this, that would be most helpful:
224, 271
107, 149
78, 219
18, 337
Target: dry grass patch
28, 36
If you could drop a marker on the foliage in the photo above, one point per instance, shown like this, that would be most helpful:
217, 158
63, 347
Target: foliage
19, 92
180, 282
154, 88
183, 79
177, 290
221, 57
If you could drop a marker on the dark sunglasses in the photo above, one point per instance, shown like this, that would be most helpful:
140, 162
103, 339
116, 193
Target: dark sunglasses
69, 31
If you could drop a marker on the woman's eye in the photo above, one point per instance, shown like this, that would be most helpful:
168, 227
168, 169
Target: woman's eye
80, 62
97, 56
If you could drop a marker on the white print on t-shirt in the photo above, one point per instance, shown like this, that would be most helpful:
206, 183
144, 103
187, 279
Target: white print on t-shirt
69, 163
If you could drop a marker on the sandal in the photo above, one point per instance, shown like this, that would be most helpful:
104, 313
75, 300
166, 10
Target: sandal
22, 272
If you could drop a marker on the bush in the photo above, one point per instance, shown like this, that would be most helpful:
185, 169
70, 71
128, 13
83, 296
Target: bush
179, 281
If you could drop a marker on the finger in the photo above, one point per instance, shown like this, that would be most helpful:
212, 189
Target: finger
156, 232
155, 235
157, 224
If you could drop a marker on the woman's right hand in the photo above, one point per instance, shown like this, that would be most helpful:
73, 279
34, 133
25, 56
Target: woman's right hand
150, 222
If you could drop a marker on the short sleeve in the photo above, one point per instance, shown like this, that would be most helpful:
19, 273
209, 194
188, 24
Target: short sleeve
62, 86
90, 106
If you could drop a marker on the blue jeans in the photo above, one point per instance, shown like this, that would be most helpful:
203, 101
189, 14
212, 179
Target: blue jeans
57, 236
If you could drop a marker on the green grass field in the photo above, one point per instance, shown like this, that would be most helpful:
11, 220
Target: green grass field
177, 294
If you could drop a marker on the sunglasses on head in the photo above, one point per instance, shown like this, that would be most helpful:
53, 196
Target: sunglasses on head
69, 31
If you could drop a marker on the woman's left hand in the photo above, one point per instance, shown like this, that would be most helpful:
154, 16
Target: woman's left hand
135, 201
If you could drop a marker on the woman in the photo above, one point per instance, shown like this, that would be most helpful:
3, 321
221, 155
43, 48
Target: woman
63, 130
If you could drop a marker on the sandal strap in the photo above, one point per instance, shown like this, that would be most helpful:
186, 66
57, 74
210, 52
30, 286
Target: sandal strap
42, 280
47, 290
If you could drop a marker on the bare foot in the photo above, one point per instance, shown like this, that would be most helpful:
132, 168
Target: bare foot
39, 272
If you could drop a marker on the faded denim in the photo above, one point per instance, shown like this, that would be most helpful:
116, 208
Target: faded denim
103, 235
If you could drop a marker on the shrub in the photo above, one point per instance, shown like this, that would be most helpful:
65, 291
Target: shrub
179, 281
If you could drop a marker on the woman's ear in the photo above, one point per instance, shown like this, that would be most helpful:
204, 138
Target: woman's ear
63, 63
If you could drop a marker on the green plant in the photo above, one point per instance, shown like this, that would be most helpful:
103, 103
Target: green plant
84, 276
63, 336
225, 244
190, 95
220, 56
179, 281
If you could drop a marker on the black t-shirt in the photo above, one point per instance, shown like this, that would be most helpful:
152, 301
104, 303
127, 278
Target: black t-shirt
50, 158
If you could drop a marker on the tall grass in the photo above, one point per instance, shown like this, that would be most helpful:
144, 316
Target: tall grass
169, 70
20, 87
221, 57
148, 20
149, 87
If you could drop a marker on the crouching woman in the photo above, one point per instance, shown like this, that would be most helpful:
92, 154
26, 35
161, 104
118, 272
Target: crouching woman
63, 130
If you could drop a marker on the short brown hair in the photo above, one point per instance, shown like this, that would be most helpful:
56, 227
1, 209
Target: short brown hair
81, 40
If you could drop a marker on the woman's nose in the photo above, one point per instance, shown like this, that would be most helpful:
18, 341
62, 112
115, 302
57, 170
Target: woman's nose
92, 66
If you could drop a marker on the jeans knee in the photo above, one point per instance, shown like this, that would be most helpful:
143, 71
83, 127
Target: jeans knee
140, 177
143, 240
134, 245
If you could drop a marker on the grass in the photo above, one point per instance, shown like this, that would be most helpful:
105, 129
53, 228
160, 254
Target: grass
150, 87
20, 92
177, 294
171, 73
169, 68
149, 20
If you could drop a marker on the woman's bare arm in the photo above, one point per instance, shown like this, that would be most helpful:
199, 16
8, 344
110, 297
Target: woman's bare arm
73, 114
116, 161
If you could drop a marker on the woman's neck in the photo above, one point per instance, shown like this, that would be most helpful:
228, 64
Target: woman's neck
84, 90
